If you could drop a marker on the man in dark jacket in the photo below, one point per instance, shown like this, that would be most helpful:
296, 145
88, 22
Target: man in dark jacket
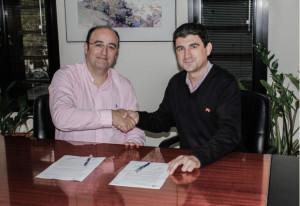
203, 102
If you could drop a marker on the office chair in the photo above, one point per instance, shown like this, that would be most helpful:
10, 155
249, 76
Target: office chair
255, 125
43, 127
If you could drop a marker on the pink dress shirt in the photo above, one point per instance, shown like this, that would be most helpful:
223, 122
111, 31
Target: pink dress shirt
82, 112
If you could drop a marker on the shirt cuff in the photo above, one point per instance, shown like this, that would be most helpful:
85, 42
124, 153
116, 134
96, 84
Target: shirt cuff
105, 117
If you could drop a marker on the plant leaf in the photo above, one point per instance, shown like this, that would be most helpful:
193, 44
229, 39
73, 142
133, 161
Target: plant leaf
294, 80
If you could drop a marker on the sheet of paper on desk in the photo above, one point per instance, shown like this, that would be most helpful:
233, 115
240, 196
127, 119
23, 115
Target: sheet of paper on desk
71, 167
152, 176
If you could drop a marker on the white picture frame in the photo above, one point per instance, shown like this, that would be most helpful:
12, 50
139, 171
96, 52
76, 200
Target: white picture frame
76, 32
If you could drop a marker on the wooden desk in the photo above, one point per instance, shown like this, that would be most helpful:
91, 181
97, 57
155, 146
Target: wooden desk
236, 179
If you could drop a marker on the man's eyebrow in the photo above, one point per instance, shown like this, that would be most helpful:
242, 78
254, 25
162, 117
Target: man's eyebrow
194, 44
177, 47
97, 41
113, 44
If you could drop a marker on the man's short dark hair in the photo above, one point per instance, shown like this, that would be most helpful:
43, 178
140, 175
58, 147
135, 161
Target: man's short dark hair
191, 29
89, 34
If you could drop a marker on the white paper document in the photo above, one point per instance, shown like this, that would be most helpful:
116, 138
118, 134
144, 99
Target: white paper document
150, 175
71, 167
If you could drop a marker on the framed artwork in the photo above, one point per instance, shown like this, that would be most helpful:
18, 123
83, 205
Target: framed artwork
134, 20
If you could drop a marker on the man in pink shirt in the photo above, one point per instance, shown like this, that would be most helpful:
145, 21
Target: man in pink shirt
85, 97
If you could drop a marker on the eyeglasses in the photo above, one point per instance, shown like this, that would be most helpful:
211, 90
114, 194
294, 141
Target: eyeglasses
100, 45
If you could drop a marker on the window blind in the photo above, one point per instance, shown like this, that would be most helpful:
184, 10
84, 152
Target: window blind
229, 27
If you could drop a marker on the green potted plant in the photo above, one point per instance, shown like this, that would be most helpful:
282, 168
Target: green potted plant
14, 113
284, 104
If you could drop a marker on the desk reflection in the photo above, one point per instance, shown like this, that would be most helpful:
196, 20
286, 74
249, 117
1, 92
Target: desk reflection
94, 190
204, 186
89, 191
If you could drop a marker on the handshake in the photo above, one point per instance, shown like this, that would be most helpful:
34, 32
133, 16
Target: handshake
124, 120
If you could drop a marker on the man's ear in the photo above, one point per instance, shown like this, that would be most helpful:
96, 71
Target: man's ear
208, 48
116, 56
85, 48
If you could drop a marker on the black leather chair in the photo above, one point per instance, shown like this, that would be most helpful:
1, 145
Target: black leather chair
255, 125
43, 127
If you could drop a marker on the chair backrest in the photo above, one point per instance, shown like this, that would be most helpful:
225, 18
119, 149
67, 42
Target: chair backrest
255, 122
43, 127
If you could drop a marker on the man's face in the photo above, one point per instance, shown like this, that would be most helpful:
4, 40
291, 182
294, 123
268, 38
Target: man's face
191, 53
102, 49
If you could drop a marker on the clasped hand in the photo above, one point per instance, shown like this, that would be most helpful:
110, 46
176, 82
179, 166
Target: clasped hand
124, 120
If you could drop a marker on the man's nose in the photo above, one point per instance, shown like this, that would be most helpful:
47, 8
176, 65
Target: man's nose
104, 50
187, 53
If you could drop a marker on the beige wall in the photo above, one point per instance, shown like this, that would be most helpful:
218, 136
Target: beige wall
150, 65
284, 36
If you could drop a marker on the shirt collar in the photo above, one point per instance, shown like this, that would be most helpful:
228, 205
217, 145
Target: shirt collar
200, 80
87, 72
91, 78
106, 84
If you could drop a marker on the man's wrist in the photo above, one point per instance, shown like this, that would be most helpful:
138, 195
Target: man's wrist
196, 159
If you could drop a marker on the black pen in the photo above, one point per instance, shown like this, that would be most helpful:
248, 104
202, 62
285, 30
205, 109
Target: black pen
143, 166
88, 159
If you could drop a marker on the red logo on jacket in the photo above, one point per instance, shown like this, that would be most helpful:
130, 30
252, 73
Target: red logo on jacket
207, 110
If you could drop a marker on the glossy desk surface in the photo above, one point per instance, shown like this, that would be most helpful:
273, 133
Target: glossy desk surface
236, 179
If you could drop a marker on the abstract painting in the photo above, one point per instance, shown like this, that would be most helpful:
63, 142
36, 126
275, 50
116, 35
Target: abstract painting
120, 13
134, 20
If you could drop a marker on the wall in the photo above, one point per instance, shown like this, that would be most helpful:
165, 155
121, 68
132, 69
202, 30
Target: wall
150, 65
284, 21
